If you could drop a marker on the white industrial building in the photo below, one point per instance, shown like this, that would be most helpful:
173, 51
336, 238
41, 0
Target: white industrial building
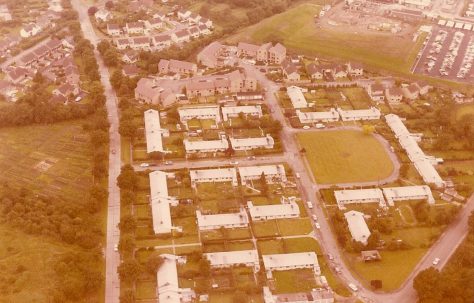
246, 110
356, 196
167, 288
214, 175
317, 295
291, 261
227, 259
160, 203
266, 142
313, 117
272, 173
357, 226
206, 146
296, 96
359, 114
232, 220
424, 164
273, 211
153, 132
422, 192
211, 112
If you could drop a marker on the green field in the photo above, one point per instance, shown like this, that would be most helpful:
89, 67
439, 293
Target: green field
345, 156
297, 30
53, 160
463, 110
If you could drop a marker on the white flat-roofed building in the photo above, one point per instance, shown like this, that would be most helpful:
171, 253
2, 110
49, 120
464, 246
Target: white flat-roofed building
272, 173
246, 110
199, 112
296, 97
359, 114
206, 146
420, 192
160, 203
316, 295
232, 220
291, 261
214, 175
168, 290
227, 259
266, 142
357, 226
313, 117
153, 132
356, 196
423, 163
273, 211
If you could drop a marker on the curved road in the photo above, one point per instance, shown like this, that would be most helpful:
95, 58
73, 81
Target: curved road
112, 258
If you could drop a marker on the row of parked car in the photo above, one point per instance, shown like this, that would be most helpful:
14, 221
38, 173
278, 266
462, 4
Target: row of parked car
466, 65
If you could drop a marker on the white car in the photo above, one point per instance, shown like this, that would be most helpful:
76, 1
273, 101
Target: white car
233, 162
144, 165
315, 218
436, 261
306, 127
317, 225
116, 247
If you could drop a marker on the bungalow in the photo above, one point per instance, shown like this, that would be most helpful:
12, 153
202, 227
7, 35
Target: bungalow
291, 261
123, 43
357, 196
154, 23
246, 110
206, 146
394, 95
30, 30
206, 22
272, 173
266, 142
214, 175
290, 70
411, 92
134, 28
160, 203
376, 92
66, 90
357, 226
102, 15
204, 29
194, 32
422, 192
181, 36
130, 70
53, 44
247, 50
339, 72
355, 69
177, 67
153, 132
314, 71
141, 43
276, 54
232, 220
296, 96
194, 18
27, 60
248, 258
359, 114
314, 117
148, 91
161, 41
168, 290
113, 30
273, 211
40, 52
199, 112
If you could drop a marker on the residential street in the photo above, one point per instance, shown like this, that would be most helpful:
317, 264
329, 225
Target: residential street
112, 257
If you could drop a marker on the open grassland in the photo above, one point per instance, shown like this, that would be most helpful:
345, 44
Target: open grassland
345, 156
393, 269
53, 160
464, 110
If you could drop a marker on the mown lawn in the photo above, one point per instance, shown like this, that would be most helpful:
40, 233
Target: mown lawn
345, 156
297, 280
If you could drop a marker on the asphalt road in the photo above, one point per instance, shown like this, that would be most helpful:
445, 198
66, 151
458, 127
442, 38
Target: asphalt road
112, 257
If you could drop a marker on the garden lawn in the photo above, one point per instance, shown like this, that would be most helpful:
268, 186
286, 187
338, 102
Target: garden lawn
345, 156
297, 280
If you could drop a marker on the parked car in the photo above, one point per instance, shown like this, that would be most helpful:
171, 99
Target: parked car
116, 247
233, 162
306, 127
436, 261
315, 218
317, 225
144, 165
168, 162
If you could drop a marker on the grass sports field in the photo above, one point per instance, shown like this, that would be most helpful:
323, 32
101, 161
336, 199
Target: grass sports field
345, 156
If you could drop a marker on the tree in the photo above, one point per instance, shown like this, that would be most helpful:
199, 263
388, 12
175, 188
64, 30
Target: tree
127, 243
204, 267
427, 284
373, 240
129, 270
128, 223
92, 10
109, 5
127, 296
368, 129
127, 180
470, 223
153, 263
